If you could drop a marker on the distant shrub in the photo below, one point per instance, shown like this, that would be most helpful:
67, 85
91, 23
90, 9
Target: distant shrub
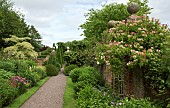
7, 92
41, 71
5, 74
69, 68
52, 70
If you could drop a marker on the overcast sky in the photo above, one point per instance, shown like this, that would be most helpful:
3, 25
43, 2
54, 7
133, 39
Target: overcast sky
58, 20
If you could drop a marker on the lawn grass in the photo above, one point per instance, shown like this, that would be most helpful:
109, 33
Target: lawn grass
24, 97
69, 101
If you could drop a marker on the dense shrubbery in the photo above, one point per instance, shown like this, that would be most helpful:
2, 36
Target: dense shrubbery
92, 94
41, 71
134, 103
90, 97
5, 74
7, 92
16, 76
52, 70
8, 66
86, 84
69, 68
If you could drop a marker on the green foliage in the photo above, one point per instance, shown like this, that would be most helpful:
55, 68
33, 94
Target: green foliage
75, 73
24, 97
69, 68
7, 92
52, 70
53, 60
60, 52
134, 103
41, 71
19, 83
21, 49
5, 74
139, 45
97, 20
46, 52
84, 76
35, 38
12, 23
32, 77
8, 66
77, 58
92, 98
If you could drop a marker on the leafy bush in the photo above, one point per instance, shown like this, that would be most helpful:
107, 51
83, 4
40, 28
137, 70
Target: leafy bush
7, 93
32, 77
69, 68
29, 63
5, 74
52, 70
19, 83
7, 65
41, 71
84, 73
77, 58
20, 66
92, 98
134, 103
75, 73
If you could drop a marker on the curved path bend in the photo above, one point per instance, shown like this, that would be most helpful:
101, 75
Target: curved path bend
50, 95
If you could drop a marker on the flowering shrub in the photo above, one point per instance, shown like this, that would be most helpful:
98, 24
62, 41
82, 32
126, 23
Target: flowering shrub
137, 46
136, 43
19, 82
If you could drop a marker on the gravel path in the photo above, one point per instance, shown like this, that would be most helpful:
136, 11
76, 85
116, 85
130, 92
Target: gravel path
50, 95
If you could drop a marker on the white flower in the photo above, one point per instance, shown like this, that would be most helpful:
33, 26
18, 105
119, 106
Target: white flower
141, 47
129, 63
134, 56
107, 63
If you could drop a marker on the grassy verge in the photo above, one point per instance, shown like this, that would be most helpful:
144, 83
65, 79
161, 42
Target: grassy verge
22, 98
69, 95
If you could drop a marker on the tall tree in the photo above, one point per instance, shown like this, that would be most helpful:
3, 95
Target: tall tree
35, 38
12, 22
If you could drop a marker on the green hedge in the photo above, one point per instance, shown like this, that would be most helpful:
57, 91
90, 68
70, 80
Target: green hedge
69, 68
52, 70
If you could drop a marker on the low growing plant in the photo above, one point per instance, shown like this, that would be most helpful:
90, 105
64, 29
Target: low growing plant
92, 98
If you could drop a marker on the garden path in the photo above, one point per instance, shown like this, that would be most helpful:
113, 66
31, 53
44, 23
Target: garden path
50, 95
